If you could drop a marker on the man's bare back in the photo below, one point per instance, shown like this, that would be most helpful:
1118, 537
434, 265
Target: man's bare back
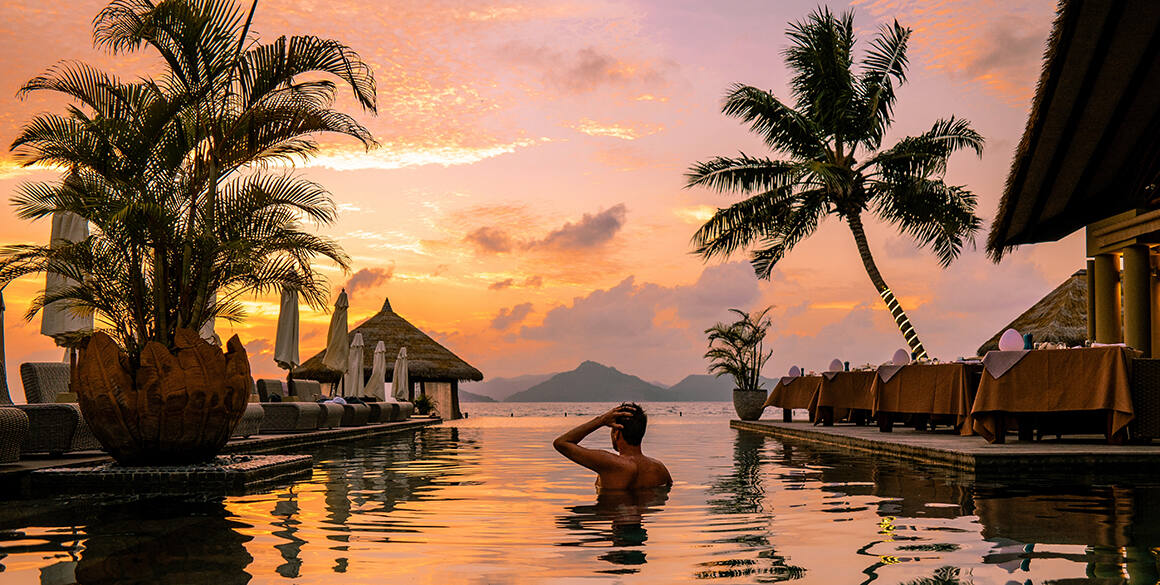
628, 468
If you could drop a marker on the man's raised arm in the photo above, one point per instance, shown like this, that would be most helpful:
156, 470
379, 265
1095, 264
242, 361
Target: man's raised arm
568, 444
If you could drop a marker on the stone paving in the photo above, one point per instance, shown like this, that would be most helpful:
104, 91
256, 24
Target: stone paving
947, 448
18, 478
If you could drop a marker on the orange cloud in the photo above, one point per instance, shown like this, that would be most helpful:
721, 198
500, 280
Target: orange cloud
628, 131
993, 42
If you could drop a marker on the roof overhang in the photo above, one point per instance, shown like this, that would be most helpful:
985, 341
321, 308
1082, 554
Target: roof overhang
1091, 149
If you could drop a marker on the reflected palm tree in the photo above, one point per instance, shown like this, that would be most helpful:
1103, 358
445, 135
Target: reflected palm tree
942, 576
287, 508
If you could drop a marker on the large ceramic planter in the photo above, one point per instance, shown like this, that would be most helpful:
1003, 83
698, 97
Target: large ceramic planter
177, 408
748, 403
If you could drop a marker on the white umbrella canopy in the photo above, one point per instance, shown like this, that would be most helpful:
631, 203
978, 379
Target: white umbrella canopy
338, 337
400, 385
352, 382
377, 385
286, 340
56, 318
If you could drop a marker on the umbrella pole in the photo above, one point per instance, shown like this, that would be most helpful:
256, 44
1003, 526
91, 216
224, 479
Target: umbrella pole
3, 363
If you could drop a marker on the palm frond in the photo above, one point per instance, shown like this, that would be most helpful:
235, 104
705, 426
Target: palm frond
779, 125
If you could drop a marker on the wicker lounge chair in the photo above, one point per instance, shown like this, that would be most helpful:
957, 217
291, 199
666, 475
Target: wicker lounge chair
406, 409
13, 431
251, 421
331, 416
285, 417
378, 414
53, 427
355, 415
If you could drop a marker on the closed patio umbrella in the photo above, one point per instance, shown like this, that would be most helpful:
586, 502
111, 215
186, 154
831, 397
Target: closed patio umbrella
377, 386
352, 382
338, 337
400, 385
286, 340
56, 318
3, 364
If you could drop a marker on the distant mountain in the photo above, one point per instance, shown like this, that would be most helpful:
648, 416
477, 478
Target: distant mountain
702, 388
465, 396
501, 388
707, 388
658, 384
591, 382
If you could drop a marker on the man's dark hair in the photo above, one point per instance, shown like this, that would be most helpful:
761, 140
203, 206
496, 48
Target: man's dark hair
633, 424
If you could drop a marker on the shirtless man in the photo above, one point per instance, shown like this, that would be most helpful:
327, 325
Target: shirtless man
628, 468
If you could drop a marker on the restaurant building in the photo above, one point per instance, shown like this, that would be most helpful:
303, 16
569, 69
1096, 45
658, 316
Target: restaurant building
1090, 159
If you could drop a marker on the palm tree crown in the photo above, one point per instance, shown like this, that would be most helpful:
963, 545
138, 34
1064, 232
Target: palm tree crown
172, 172
833, 161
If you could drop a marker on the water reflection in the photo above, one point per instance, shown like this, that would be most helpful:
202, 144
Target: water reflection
617, 519
1032, 532
188, 543
492, 503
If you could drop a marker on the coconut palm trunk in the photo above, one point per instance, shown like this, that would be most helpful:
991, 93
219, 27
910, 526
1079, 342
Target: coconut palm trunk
892, 304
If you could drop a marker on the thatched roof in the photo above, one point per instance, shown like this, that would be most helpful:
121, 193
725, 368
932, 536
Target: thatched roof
426, 359
1091, 149
1059, 317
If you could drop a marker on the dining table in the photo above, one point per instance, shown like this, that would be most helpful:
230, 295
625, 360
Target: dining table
1064, 391
926, 391
793, 392
842, 395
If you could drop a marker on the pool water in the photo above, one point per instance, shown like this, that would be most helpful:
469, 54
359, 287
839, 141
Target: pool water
487, 500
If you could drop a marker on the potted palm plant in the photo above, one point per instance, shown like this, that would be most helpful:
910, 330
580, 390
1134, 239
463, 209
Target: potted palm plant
171, 171
737, 349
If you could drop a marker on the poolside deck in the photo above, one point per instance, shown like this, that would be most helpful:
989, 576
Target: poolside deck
15, 478
971, 454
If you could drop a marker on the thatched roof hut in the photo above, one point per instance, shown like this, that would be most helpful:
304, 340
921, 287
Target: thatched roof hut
1059, 317
1090, 150
427, 361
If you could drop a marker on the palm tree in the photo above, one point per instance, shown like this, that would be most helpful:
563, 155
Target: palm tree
172, 171
737, 349
834, 163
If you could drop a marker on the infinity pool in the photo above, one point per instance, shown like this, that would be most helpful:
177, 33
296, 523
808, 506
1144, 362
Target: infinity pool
487, 500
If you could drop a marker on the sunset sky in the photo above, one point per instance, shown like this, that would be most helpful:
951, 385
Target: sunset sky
526, 207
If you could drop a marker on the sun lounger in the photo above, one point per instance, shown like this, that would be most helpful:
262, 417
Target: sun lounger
251, 421
331, 415
53, 427
355, 415
288, 416
376, 412
13, 431
406, 409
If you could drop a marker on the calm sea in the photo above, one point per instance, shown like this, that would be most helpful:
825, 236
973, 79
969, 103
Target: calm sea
487, 500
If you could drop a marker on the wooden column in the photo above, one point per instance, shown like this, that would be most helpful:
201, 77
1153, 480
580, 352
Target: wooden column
1154, 264
1107, 297
456, 413
1138, 298
1091, 299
